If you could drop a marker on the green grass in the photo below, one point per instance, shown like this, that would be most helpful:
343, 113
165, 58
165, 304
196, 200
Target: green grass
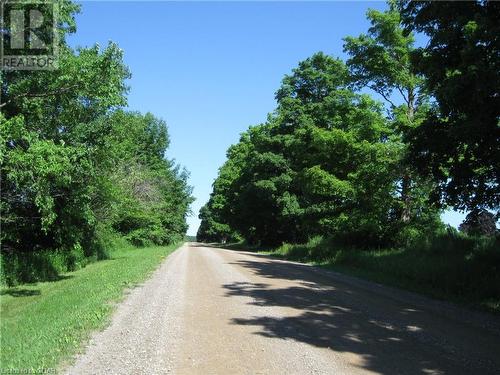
45, 323
456, 268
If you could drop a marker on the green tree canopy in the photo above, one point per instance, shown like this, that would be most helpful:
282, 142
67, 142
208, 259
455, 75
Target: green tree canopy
325, 162
75, 166
458, 143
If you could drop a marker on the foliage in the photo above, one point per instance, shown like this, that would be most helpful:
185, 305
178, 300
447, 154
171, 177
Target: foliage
75, 167
381, 61
214, 226
212, 231
326, 162
479, 222
457, 144
333, 178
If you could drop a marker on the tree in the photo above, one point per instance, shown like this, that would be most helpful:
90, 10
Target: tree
75, 167
149, 193
47, 167
326, 162
381, 60
45, 194
212, 231
479, 222
457, 145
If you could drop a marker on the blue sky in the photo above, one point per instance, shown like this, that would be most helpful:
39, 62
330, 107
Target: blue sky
210, 69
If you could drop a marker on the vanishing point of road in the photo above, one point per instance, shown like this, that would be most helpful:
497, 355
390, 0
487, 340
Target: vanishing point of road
209, 310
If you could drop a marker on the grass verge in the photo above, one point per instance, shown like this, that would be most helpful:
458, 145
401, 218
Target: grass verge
456, 268
45, 323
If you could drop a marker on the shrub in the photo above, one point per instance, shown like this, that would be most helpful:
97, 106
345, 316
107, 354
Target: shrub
42, 265
75, 258
151, 235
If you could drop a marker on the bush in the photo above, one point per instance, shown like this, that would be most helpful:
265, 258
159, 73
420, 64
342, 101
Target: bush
317, 249
408, 236
147, 236
76, 258
43, 265
293, 252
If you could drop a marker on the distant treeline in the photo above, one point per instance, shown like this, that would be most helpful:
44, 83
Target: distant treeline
332, 160
78, 171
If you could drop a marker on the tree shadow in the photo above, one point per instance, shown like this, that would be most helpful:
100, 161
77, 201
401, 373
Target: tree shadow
14, 292
387, 336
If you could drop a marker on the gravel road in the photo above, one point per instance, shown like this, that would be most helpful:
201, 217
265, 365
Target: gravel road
208, 310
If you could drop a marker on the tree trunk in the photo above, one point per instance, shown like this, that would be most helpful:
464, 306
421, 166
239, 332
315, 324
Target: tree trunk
407, 180
406, 198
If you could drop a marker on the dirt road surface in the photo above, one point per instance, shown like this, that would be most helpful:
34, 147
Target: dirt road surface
208, 310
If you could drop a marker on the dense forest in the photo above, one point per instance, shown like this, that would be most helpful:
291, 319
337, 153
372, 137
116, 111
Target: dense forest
369, 151
78, 171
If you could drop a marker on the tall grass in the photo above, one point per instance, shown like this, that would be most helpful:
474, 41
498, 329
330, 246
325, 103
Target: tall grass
449, 266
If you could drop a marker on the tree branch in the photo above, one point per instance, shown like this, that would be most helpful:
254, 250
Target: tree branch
381, 93
406, 99
39, 95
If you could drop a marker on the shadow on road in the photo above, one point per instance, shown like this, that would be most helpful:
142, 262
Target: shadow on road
387, 336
